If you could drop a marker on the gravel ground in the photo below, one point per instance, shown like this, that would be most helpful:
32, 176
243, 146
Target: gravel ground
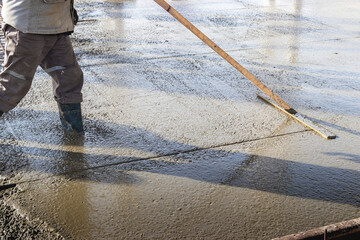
14, 225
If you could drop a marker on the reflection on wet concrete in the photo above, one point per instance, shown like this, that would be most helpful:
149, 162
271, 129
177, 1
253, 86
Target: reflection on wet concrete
90, 198
279, 176
97, 185
176, 144
76, 197
295, 38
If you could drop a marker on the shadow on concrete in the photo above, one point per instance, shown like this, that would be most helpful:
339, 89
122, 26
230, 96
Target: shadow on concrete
345, 156
338, 127
57, 154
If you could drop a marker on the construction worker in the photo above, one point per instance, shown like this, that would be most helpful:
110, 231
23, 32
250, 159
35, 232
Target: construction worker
37, 33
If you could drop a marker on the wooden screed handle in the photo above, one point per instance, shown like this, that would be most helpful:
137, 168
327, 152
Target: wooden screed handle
224, 55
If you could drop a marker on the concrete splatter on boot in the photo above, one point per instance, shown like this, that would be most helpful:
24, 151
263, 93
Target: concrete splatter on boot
70, 117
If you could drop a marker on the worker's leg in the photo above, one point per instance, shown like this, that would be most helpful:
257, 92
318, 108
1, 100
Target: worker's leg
61, 65
22, 56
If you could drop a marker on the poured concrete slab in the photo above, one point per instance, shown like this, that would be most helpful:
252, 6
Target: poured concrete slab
177, 144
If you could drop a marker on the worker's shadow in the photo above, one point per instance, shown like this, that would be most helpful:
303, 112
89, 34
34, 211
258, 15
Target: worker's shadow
32, 142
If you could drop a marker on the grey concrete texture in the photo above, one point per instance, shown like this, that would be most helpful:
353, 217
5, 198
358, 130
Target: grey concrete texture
176, 144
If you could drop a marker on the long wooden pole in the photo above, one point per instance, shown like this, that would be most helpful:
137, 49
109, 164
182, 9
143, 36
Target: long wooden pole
224, 55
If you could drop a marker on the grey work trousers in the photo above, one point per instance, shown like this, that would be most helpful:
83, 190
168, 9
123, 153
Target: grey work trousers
24, 52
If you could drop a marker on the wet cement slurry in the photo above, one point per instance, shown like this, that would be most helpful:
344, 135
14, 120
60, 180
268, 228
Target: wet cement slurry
177, 145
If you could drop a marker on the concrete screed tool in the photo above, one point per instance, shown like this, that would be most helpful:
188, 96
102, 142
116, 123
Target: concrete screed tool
283, 106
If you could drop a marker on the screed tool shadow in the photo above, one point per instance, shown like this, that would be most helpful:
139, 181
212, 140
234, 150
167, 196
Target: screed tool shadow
345, 156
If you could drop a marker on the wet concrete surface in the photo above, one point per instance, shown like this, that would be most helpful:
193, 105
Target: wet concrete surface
177, 145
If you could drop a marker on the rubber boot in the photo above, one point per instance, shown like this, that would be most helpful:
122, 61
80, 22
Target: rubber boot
1, 113
70, 117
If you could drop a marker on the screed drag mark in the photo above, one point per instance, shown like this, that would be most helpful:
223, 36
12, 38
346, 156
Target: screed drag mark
7, 186
304, 121
133, 160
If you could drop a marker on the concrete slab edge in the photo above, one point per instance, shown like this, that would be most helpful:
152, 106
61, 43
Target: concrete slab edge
342, 230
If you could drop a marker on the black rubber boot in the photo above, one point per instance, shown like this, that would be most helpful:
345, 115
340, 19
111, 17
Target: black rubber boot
70, 117
1, 113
